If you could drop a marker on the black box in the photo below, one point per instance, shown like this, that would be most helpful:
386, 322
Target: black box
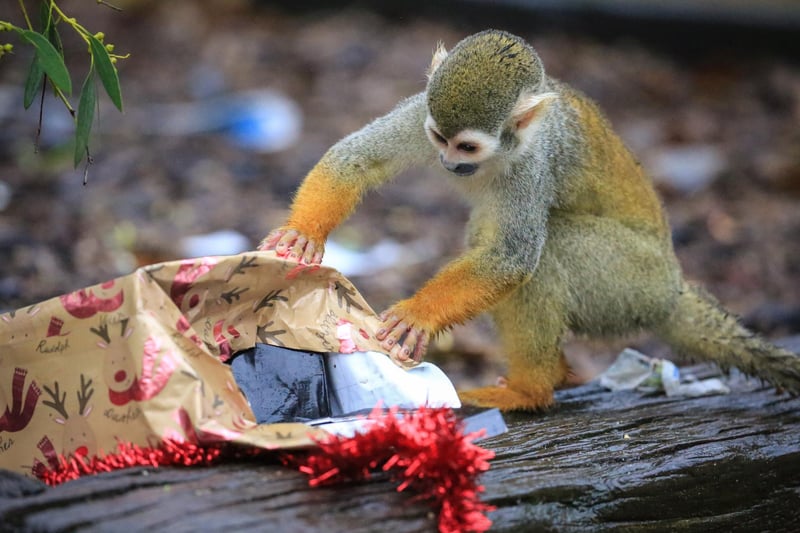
282, 385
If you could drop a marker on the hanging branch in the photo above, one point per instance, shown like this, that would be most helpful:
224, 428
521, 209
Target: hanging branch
48, 65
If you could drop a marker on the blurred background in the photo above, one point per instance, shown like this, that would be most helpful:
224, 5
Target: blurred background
229, 103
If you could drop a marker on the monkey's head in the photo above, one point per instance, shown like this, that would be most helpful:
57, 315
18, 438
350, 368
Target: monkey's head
483, 98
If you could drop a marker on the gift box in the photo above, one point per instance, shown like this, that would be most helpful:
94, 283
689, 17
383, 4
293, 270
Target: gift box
285, 385
141, 358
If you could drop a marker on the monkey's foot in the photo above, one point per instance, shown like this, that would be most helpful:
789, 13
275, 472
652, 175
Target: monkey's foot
506, 399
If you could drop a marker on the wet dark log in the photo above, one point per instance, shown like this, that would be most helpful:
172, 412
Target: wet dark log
597, 461
618, 461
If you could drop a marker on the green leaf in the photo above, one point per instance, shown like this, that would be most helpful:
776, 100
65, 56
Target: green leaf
50, 60
106, 71
49, 28
83, 125
45, 14
34, 82
55, 39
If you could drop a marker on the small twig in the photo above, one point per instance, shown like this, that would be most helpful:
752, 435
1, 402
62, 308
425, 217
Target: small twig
110, 6
89, 162
41, 116
25, 14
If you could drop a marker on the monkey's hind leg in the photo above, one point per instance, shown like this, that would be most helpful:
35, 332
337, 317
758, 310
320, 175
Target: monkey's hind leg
530, 324
530, 390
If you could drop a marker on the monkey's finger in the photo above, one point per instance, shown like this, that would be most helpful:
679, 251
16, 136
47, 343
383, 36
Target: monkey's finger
393, 336
388, 323
414, 345
399, 353
309, 252
285, 242
318, 253
408, 347
297, 249
422, 346
269, 242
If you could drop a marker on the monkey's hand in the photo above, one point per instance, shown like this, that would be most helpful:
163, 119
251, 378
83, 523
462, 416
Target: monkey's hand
293, 245
404, 339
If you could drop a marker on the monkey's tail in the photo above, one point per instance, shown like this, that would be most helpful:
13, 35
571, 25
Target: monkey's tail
700, 328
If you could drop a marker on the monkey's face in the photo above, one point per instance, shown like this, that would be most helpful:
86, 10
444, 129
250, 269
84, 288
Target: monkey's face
463, 153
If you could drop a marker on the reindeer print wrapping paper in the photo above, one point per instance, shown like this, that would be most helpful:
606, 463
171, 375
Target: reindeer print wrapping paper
140, 358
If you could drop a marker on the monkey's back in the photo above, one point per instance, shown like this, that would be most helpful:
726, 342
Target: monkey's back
607, 180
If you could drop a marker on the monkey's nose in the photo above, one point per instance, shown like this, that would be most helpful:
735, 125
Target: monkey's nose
462, 169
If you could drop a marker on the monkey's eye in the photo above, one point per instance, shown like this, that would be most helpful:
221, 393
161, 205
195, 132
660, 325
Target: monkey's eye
467, 147
439, 138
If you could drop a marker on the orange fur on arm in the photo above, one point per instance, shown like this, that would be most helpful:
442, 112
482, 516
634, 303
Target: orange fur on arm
460, 291
322, 202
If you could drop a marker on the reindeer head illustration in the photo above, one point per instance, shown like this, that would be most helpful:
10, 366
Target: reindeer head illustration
119, 367
78, 438
125, 383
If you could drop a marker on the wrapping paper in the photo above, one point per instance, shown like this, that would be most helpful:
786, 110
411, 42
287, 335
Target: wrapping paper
140, 358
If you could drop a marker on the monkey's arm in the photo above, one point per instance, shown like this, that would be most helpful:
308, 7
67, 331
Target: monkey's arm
357, 163
506, 238
462, 290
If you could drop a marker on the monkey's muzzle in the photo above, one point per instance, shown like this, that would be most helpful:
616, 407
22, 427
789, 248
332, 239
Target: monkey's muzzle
460, 169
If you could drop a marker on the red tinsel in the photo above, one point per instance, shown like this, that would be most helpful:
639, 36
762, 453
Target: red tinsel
168, 453
423, 450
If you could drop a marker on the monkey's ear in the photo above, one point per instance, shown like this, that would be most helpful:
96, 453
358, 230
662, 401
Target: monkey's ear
438, 56
529, 108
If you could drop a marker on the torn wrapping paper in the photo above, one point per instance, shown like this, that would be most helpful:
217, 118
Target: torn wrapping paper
140, 358
633, 370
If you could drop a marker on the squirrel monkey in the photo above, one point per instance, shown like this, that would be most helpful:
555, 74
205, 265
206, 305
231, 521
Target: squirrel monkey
566, 231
